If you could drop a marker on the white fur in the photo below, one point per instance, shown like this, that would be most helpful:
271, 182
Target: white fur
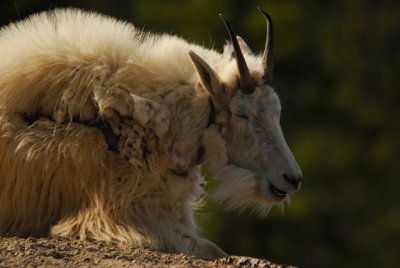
64, 70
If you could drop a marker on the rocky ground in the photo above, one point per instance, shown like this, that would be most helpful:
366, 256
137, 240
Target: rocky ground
56, 252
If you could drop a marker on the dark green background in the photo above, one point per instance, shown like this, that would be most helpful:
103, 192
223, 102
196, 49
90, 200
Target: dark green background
336, 71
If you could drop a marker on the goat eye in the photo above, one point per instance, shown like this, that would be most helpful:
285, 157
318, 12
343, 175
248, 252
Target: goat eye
242, 116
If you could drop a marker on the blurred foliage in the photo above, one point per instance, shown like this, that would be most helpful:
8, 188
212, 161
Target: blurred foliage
336, 65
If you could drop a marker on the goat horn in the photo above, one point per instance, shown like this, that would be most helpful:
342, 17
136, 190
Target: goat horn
244, 74
267, 58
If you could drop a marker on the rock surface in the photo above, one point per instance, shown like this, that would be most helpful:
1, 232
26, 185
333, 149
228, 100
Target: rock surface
57, 252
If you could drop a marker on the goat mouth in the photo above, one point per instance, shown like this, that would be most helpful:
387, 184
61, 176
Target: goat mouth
278, 194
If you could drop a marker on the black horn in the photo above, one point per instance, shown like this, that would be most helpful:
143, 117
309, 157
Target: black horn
267, 58
244, 75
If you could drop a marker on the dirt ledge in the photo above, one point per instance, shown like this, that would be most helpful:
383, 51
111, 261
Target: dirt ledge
56, 252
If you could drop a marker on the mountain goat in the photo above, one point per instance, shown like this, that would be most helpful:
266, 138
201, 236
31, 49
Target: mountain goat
103, 129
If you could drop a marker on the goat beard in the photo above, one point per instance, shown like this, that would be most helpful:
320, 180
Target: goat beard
238, 190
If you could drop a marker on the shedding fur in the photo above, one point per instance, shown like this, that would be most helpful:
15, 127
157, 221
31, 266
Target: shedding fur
103, 129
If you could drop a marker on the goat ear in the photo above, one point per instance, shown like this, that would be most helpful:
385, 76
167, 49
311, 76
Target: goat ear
244, 46
208, 77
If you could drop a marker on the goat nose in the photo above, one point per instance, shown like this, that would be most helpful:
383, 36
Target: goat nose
294, 180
